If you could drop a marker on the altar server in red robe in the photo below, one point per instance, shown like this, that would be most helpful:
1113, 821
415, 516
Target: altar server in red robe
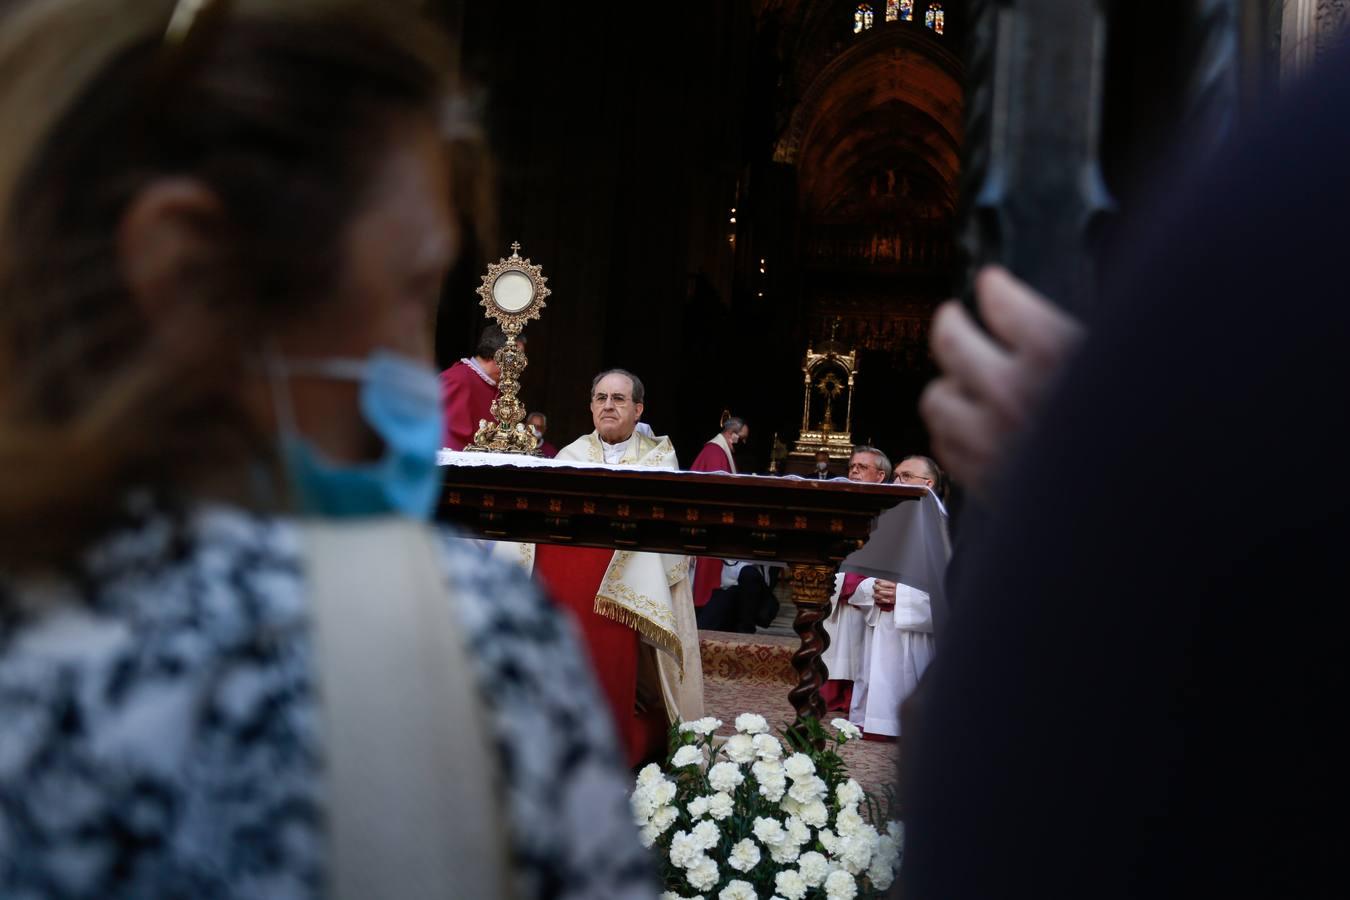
468, 389
718, 455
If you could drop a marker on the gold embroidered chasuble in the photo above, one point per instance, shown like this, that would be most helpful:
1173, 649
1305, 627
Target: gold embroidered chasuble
648, 592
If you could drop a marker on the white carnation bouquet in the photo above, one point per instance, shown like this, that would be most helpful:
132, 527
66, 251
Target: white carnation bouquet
750, 819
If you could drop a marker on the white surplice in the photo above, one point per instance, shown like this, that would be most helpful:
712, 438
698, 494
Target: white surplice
897, 647
846, 625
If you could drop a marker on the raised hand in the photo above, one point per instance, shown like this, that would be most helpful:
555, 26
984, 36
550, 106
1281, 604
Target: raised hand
992, 381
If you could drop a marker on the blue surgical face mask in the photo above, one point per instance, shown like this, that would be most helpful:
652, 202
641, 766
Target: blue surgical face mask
401, 402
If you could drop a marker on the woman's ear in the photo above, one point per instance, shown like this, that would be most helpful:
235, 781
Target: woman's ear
167, 236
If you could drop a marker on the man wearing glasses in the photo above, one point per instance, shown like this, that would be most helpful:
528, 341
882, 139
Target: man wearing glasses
635, 610
847, 624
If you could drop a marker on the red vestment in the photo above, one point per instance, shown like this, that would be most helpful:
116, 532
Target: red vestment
838, 692
572, 576
466, 398
547, 450
708, 570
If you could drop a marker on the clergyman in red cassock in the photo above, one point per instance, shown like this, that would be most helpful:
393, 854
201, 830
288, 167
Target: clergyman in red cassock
468, 389
718, 455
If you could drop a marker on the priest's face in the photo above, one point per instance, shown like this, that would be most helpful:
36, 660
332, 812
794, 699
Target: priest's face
613, 410
914, 471
863, 467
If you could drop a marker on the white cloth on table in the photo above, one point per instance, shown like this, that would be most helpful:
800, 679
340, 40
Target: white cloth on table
846, 625
897, 648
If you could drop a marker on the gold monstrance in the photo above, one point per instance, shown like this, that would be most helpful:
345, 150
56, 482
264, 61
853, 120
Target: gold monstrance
513, 292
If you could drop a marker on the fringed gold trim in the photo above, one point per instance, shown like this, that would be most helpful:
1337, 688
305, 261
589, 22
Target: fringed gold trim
660, 637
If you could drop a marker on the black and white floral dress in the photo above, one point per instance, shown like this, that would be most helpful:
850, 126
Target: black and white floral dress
160, 734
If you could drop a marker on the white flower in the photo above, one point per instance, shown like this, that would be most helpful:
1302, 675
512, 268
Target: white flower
829, 840
744, 856
706, 835
797, 831
773, 788
849, 793
650, 773
897, 832
785, 853
791, 807
663, 818
720, 806
815, 814
684, 850
698, 807
855, 850
703, 874
887, 850
848, 821
808, 789
738, 890
749, 723
663, 792
790, 885
642, 804
769, 831
814, 867
840, 886
882, 872
846, 728
688, 755
740, 749
799, 765
768, 747
725, 776
647, 836
704, 726
768, 769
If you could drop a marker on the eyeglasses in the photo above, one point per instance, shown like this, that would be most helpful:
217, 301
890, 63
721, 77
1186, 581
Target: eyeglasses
911, 476
862, 465
616, 399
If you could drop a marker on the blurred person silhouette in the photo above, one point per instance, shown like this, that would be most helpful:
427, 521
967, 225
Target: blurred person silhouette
234, 660
1136, 693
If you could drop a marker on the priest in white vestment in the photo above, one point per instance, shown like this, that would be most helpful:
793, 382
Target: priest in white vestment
846, 624
635, 609
897, 643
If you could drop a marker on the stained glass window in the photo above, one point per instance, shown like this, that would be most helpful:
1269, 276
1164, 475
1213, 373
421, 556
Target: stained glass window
862, 18
935, 18
892, 10
906, 10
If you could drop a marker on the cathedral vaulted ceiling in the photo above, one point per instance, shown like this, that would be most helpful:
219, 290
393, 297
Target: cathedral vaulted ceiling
875, 123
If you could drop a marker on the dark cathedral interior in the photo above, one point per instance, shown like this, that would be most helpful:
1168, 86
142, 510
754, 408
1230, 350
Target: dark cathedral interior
713, 187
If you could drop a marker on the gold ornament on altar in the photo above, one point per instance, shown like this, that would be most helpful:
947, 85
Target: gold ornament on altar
512, 292
827, 373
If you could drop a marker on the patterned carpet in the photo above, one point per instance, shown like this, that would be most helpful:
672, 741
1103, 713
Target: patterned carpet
753, 673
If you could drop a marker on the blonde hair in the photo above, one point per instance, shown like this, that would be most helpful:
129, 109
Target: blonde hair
272, 105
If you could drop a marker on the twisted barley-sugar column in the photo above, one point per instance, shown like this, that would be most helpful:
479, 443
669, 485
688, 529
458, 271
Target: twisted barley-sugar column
812, 586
